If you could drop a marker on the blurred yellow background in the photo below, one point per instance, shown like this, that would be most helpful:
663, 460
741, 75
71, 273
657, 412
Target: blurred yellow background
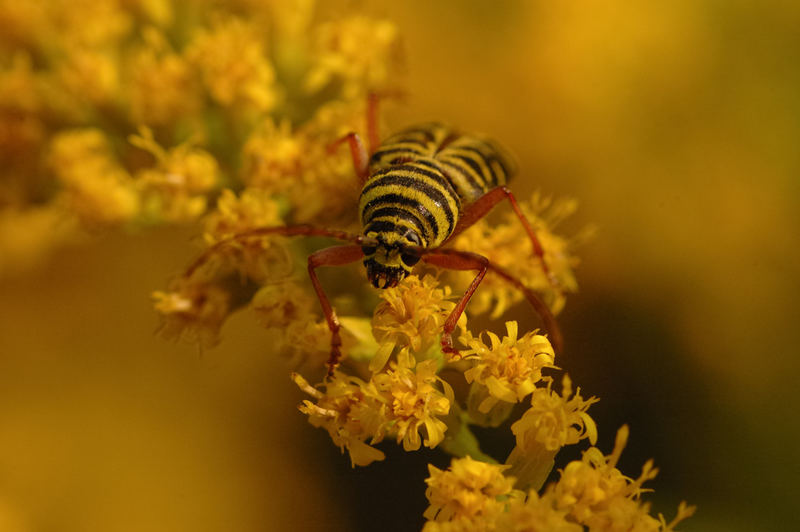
675, 124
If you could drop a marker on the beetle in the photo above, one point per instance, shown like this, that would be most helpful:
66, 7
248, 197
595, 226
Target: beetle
420, 189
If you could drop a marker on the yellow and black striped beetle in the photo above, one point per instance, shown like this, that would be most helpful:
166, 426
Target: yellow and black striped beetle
420, 188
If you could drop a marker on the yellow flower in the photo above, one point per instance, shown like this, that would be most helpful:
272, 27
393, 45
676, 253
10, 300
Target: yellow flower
348, 414
278, 305
234, 65
307, 342
506, 242
597, 495
404, 403
162, 87
176, 188
295, 162
90, 75
258, 257
95, 186
357, 52
411, 316
413, 402
193, 312
505, 372
535, 513
551, 422
467, 490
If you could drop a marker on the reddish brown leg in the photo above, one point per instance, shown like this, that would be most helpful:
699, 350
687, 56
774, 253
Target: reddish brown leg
335, 256
458, 260
357, 152
293, 230
480, 207
464, 260
373, 136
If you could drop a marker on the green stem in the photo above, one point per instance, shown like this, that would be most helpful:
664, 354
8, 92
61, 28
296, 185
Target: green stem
460, 441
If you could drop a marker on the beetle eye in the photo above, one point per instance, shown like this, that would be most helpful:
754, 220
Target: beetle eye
368, 250
409, 259
413, 238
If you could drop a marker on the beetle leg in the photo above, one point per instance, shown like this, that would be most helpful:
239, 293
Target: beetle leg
460, 260
291, 230
335, 256
453, 259
373, 137
357, 151
480, 207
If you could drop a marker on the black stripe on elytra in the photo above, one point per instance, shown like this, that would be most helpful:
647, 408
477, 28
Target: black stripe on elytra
479, 153
434, 173
476, 168
384, 226
389, 177
399, 199
399, 214
467, 175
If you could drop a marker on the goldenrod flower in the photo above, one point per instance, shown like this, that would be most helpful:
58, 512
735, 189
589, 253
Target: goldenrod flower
95, 186
193, 311
271, 155
551, 422
506, 242
356, 52
535, 513
278, 305
348, 414
295, 163
414, 403
257, 257
90, 75
162, 85
404, 402
176, 188
94, 23
468, 489
411, 316
253, 97
505, 372
232, 60
597, 495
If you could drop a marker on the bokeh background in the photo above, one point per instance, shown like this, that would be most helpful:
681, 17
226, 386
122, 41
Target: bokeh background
675, 125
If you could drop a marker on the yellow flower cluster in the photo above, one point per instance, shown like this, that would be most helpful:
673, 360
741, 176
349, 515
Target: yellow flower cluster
551, 422
411, 315
504, 373
404, 402
127, 113
233, 64
591, 494
297, 165
175, 189
357, 52
117, 114
505, 242
94, 185
163, 87
469, 489
193, 311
